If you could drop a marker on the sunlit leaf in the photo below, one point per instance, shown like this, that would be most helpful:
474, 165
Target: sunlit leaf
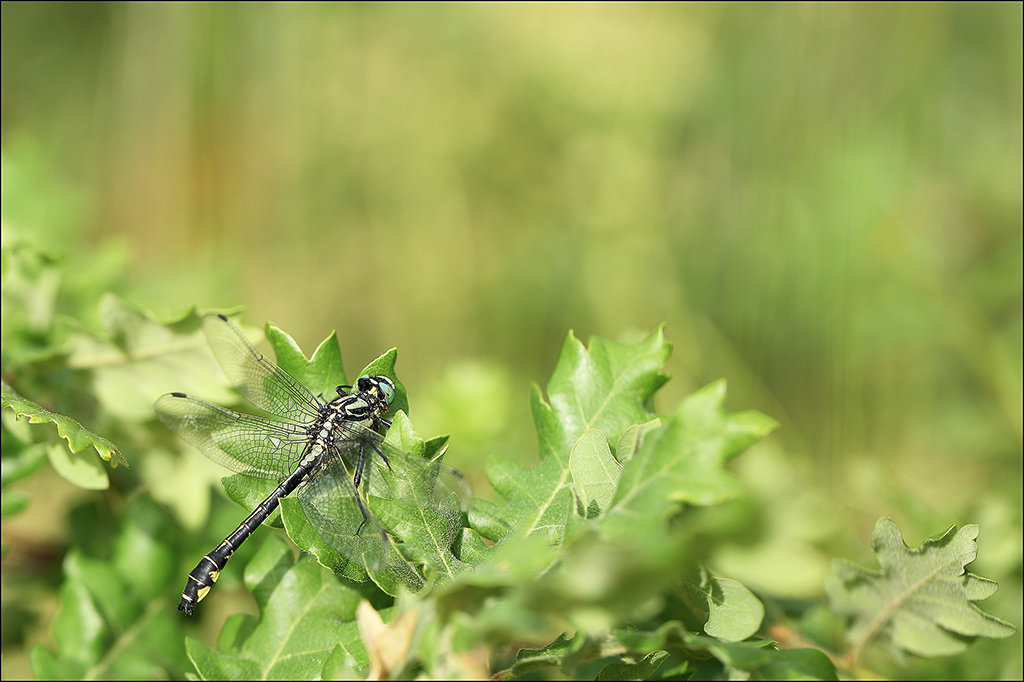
303, 613
539, 499
733, 612
141, 358
428, 538
921, 600
426, 530
116, 619
607, 387
78, 437
321, 374
595, 473
683, 461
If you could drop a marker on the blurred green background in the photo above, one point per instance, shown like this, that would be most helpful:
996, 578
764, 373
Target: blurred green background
823, 203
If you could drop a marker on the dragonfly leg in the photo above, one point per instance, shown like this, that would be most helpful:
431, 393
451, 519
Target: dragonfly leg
362, 510
356, 480
382, 455
360, 460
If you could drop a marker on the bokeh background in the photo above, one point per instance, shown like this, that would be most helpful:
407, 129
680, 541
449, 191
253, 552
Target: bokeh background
822, 202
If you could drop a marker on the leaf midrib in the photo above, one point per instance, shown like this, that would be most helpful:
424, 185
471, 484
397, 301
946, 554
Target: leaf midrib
891, 609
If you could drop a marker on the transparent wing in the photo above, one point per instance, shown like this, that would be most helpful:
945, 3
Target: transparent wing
256, 377
414, 501
332, 507
420, 502
245, 443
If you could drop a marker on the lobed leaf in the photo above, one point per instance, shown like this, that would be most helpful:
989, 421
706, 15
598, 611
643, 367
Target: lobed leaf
79, 470
430, 537
920, 600
683, 461
613, 560
141, 358
322, 373
306, 614
606, 387
617, 555
115, 619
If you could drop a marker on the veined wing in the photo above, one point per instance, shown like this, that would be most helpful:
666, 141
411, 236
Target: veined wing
245, 443
421, 502
256, 377
415, 501
330, 504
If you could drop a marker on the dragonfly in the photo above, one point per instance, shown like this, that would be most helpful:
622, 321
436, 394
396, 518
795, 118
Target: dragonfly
331, 454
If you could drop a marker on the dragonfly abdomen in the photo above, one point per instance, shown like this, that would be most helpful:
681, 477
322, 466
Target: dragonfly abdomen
203, 577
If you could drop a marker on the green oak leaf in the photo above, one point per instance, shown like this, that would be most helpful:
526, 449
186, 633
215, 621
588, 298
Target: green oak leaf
141, 358
640, 670
682, 461
607, 387
595, 473
427, 534
116, 619
323, 373
539, 499
306, 613
921, 600
733, 612
82, 471
430, 538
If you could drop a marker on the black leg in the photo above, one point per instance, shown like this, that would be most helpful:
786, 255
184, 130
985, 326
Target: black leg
356, 480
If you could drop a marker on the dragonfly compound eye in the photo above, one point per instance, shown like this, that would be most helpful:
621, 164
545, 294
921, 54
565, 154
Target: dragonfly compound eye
378, 384
387, 387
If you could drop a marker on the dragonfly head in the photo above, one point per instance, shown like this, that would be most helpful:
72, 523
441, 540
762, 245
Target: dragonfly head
381, 386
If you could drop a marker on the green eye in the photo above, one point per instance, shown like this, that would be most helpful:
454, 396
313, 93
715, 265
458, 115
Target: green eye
384, 385
387, 387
